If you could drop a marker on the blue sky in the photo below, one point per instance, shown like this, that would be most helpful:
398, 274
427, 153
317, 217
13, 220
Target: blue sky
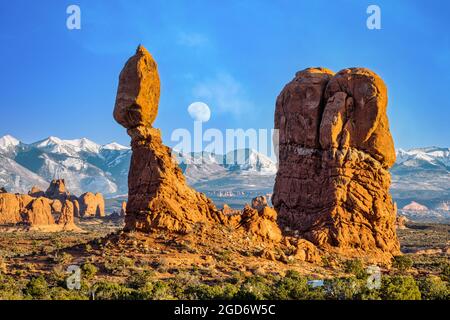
234, 55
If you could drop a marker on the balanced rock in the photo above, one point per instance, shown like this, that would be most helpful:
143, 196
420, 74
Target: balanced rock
158, 196
138, 92
92, 205
334, 152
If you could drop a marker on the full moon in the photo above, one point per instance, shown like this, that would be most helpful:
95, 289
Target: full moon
199, 111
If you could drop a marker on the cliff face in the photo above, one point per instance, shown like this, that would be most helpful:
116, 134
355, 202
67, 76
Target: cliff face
335, 149
158, 196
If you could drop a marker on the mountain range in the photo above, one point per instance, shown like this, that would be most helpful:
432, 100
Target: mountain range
421, 174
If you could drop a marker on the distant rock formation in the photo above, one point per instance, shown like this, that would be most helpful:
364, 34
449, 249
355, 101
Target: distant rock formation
36, 192
158, 196
91, 205
123, 209
335, 149
3, 190
400, 222
38, 211
57, 190
260, 220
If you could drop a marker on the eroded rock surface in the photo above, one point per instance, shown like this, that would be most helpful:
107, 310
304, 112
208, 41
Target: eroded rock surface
335, 149
91, 205
38, 211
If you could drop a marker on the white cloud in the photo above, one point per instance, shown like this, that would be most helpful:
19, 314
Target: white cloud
192, 39
224, 94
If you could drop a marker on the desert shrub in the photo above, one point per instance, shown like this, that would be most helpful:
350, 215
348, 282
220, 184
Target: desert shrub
57, 277
434, 288
224, 255
116, 265
112, 291
402, 263
399, 288
254, 288
140, 279
344, 288
59, 293
226, 291
295, 287
356, 268
161, 291
37, 288
445, 273
88, 270
10, 289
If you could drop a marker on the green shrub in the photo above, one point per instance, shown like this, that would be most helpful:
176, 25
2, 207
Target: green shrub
59, 293
37, 288
254, 288
434, 288
161, 291
344, 288
10, 289
402, 263
112, 291
89, 270
117, 265
399, 288
140, 280
445, 274
295, 287
356, 268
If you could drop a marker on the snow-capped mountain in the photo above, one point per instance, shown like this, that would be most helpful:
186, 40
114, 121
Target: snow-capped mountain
88, 166
421, 175
8, 145
84, 164
431, 158
67, 147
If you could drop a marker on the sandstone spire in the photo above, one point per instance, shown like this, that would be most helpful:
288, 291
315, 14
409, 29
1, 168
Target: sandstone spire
335, 149
158, 196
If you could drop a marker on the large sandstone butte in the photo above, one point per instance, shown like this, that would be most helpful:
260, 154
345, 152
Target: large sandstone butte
158, 196
335, 149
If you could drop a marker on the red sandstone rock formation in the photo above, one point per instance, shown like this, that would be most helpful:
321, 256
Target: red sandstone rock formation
57, 190
39, 212
91, 205
260, 220
158, 196
67, 213
335, 149
11, 207
35, 192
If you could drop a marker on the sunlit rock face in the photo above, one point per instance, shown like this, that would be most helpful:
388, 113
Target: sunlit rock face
335, 149
158, 196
